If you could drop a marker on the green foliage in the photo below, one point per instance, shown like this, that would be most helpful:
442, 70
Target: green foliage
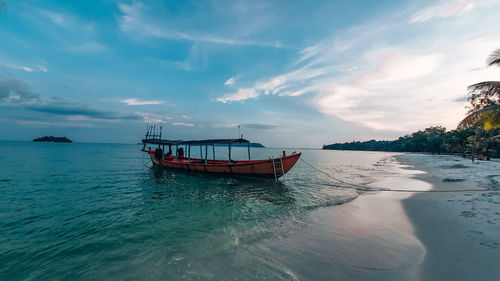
487, 117
474, 140
484, 99
483, 94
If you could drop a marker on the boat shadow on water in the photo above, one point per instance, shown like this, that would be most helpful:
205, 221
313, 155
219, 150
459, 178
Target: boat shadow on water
163, 182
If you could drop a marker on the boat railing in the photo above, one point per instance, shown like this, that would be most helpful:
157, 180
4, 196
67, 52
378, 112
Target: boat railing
155, 138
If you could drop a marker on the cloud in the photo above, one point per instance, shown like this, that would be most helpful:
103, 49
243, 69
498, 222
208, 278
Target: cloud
56, 18
241, 95
296, 93
183, 124
245, 125
294, 83
136, 22
196, 58
52, 124
444, 9
225, 125
64, 30
30, 68
69, 31
135, 101
394, 67
149, 117
14, 92
387, 79
185, 116
229, 81
67, 21
259, 126
27, 68
405, 91
69, 109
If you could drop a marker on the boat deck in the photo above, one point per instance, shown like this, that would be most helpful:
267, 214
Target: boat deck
276, 167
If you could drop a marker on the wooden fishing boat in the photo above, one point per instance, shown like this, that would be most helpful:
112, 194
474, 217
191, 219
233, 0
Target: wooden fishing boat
175, 158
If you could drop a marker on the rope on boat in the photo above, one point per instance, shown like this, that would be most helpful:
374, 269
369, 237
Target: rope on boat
367, 188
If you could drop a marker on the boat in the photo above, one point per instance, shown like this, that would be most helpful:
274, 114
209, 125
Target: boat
178, 156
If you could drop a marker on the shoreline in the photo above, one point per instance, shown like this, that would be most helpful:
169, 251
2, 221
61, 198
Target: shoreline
368, 238
459, 230
401, 235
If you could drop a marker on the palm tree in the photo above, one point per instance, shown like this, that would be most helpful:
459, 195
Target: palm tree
484, 101
488, 118
494, 58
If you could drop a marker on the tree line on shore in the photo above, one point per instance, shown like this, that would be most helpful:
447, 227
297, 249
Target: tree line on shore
471, 141
477, 135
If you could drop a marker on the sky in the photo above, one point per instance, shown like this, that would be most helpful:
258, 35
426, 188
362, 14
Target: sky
290, 73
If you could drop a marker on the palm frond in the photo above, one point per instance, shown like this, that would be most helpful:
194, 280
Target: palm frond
494, 58
487, 86
489, 115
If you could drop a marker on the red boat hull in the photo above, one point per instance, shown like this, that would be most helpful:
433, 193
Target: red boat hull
259, 168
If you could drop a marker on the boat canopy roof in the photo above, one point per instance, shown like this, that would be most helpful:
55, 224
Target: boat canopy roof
194, 142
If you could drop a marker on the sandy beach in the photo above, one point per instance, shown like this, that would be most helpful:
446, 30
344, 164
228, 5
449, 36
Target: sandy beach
404, 235
460, 230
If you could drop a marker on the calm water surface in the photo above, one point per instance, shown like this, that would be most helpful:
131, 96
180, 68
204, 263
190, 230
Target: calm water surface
97, 211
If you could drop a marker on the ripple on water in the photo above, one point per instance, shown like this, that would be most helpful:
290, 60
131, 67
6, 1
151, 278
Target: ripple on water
81, 214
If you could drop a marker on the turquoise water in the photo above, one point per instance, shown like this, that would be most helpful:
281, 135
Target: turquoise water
97, 211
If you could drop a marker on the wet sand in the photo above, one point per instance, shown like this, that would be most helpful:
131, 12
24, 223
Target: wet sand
401, 235
460, 231
369, 238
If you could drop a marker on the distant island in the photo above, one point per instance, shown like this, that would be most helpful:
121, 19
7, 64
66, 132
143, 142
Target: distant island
52, 139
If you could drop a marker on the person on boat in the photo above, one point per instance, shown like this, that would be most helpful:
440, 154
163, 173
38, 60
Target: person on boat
158, 153
169, 153
180, 152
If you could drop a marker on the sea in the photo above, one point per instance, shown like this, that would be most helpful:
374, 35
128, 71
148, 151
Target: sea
86, 211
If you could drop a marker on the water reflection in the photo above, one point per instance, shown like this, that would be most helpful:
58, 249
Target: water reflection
168, 184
